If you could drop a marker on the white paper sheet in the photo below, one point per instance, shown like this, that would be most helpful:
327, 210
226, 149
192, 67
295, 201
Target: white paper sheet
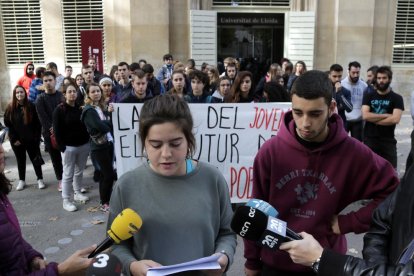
199, 264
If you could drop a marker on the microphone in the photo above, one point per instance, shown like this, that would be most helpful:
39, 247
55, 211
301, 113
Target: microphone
253, 224
126, 224
263, 206
271, 211
105, 265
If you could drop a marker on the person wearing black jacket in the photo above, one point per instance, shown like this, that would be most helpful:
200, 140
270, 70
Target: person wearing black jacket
73, 141
99, 127
24, 135
388, 245
45, 105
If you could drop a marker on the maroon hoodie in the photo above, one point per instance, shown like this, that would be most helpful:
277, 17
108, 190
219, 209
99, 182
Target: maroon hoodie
308, 187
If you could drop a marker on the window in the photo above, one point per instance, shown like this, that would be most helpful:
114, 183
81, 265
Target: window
403, 49
79, 15
22, 31
243, 3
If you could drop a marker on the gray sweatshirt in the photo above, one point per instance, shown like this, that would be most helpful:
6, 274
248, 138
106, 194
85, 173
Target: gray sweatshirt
184, 217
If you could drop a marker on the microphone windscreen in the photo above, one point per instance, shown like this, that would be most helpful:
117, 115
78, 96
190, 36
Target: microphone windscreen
105, 265
125, 225
263, 206
249, 223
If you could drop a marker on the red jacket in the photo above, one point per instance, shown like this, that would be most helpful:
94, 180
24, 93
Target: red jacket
308, 187
26, 80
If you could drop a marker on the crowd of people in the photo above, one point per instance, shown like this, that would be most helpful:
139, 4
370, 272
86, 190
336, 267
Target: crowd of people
297, 171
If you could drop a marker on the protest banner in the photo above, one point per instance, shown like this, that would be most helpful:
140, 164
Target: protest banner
228, 136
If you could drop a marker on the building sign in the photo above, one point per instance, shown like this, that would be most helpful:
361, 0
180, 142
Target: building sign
92, 46
273, 19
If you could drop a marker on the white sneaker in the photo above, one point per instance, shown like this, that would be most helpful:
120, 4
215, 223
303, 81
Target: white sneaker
21, 185
80, 197
69, 206
41, 184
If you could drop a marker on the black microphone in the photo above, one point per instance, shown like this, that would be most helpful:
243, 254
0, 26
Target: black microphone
105, 265
252, 224
270, 211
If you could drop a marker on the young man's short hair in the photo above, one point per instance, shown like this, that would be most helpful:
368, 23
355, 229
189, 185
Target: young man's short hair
167, 56
384, 70
86, 66
138, 74
52, 65
336, 68
373, 69
200, 75
134, 66
68, 67
312, 85
147, 68
49, 73
355, 64
123, 63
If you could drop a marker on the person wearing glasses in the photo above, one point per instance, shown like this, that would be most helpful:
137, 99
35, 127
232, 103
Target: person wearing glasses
223, 90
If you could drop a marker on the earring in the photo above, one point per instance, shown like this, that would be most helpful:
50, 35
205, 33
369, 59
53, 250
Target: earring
188, 154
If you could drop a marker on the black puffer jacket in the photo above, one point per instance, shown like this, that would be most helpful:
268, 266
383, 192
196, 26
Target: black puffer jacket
391, 231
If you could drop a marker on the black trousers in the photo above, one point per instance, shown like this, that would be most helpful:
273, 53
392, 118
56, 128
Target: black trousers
410, 157
32, 150
104, 158
356, 128
386, 148
55, 157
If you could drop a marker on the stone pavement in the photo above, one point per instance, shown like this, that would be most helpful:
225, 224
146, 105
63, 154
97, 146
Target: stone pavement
57, 233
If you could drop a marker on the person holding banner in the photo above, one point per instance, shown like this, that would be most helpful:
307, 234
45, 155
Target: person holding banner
99, 127
184, 203
310, 171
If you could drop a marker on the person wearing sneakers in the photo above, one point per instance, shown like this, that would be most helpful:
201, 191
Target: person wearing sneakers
99, 126
45, 105
73, 140
24, 135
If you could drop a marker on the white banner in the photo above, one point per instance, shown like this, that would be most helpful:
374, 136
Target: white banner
227, 136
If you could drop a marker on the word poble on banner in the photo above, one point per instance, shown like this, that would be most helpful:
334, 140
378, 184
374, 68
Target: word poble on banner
228, 136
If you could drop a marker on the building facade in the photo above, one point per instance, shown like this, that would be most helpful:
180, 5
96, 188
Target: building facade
319, 32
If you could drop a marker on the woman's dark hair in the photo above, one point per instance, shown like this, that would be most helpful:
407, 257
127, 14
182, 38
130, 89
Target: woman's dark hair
72, 82
39, 72
275, 92
191, 62
14, 104
235, 88
167, 109
114, 68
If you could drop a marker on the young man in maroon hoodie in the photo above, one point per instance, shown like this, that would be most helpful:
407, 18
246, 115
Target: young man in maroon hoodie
310, 172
